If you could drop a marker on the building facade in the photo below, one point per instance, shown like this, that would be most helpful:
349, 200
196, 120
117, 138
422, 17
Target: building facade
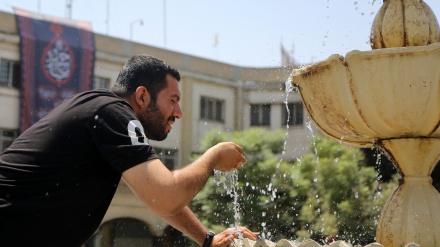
214, 96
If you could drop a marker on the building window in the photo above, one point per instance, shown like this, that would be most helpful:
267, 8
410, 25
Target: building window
293, 114
167, 156
260, 115
6, 138
100, 82
9, 73
212, 109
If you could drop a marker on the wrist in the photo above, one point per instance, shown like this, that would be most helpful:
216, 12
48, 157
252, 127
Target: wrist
208, 239
210, 160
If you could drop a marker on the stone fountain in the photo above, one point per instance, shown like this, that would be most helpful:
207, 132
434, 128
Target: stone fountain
388, 98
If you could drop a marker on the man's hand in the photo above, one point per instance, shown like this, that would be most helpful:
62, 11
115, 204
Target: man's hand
226, 156
226, 237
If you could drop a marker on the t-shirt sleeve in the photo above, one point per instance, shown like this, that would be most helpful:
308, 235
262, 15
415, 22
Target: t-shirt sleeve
120, 137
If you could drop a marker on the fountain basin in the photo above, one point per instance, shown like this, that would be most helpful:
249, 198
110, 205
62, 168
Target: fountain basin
374, 95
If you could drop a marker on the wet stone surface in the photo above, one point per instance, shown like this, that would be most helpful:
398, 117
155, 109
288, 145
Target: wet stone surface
305, 243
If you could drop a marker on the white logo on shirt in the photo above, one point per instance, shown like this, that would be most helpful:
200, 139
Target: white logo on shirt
136, 133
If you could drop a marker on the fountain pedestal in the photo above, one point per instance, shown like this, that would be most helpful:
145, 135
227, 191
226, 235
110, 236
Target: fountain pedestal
412, 213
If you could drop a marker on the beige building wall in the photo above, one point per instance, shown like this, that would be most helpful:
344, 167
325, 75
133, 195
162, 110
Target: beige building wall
239, 87
211, 90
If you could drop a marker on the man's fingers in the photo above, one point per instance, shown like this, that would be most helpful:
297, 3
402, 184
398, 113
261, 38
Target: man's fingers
246, 233
226, 240
239, 148
242, 232
241, 162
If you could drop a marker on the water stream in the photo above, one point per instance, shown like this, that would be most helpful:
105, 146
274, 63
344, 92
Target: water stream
229, 180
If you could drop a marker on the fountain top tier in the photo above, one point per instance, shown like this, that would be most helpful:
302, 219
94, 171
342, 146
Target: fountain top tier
403, 23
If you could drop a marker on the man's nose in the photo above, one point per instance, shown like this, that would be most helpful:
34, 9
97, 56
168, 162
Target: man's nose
178, 112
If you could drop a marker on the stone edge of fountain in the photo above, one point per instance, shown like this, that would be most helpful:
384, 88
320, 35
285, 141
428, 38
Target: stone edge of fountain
305, 243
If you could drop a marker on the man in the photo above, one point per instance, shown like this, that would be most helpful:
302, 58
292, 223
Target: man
58, 178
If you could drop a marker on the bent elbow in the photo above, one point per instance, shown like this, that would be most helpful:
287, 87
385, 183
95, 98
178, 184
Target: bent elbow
165, 208
173, 211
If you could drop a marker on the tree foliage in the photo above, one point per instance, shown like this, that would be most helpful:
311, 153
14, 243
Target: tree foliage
326, 193
344, 198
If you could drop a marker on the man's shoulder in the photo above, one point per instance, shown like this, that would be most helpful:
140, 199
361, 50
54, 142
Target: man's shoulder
102, 94
87, 104
98, 98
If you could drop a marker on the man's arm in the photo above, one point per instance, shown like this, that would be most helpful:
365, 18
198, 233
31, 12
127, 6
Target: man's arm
168, 192
187, 223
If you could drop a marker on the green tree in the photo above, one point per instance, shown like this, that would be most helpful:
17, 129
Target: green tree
326, 193
344, 197
264, 188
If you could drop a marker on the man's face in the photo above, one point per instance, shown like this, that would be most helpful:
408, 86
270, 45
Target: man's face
160, 115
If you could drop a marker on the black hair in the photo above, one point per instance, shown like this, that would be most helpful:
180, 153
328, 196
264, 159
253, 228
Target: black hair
143, 70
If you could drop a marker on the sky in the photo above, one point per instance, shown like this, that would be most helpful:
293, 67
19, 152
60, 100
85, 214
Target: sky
247, 33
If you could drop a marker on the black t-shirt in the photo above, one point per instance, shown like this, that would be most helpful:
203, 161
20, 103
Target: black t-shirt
58, 178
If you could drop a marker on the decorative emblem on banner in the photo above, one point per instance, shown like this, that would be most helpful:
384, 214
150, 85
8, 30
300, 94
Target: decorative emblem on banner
58, 60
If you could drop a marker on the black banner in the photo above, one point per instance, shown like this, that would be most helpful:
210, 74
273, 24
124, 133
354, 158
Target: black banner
57, 61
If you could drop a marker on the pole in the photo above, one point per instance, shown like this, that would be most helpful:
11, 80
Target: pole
107, 21
69, 8
132, 24
164, 23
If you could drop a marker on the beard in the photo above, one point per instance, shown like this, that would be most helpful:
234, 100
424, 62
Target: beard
154, 123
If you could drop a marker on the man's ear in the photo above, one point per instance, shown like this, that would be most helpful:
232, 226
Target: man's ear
142, 97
